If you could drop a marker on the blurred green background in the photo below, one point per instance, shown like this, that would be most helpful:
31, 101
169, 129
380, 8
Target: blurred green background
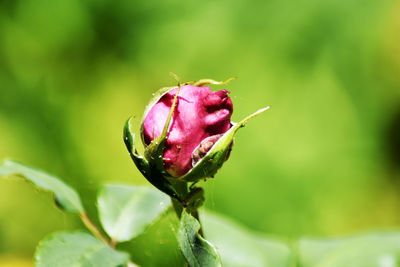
324, 161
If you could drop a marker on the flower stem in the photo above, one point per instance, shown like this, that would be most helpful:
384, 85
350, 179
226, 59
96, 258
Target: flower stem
193, 198
96, 232
113, 243
178, 207
92, 228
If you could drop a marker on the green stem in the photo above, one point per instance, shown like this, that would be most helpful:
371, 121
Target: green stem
96, 232
178, 207
187, 195
113, 243
92, 228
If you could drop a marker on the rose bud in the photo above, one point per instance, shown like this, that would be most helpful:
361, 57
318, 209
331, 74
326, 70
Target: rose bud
187, 134
199, 120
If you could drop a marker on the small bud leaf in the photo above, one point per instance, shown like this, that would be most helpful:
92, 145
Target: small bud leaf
156, 97
129, 139
155, 151
203, 82
149, 171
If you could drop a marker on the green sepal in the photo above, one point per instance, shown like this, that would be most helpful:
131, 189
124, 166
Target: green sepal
209, 165
149, 171
204, 82
155, 151
129, 139
156, 97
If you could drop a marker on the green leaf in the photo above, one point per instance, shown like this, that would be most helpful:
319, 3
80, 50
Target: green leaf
372, 250
77, 249
65, 197
197, 251
158, 245
239, 247
213, 160
126, 211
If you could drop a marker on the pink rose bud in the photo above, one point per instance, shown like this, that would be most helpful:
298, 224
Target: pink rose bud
188, 135
200, 118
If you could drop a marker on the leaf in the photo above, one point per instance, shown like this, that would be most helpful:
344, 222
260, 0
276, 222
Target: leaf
77, 249
213, 160
158, 245
371, 250
126, 211
65, 197
238, 246
197, 251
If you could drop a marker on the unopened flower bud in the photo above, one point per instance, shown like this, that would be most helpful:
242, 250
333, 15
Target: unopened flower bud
200, 114
187, 133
